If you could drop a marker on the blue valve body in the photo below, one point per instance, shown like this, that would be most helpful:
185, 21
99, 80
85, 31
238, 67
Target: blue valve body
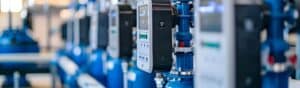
276, 44
184, 60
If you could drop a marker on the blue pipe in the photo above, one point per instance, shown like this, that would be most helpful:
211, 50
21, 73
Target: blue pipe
184, 37
183, 34
298, 44
276, 44
10, 81
276, 80
184, 60
276, 23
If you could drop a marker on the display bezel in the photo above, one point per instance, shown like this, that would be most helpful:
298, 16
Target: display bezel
212, 11
143, 16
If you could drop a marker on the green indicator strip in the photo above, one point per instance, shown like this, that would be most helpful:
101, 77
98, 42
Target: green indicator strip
113, 31
143, 36
211, 45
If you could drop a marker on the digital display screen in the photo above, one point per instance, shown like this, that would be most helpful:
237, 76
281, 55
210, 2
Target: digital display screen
210, 12
143, 17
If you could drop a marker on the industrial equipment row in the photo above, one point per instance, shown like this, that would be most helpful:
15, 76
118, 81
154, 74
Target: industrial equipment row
169, 44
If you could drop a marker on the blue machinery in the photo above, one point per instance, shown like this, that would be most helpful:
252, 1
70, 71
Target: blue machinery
73, 60
159, 58
154, 38
119, 45
19, 55
100, 40
135, 69
297, 73
276, 65
182, 75
227, 41
154, 42
119, 63
137, 78
121, 49
130, 68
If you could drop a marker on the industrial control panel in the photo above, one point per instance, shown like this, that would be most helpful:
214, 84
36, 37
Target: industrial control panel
63, 31
99, 30
154, 35
102, 32
121, 24
227, 44
84, 28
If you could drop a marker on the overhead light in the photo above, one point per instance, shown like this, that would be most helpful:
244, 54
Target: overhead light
83, 1
65, 14
114, 1
30, 3
11, 5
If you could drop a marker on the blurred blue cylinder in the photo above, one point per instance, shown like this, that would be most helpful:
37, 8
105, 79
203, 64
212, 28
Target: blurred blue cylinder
97, 68
137, 78
276, 80
115, 78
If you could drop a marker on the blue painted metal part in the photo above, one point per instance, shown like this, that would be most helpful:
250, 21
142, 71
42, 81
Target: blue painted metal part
115, 73
184, 60
55, 62
179, 81
137, 78
276, 80
97, 67
92, 1
79, 55
72, 80
17, 41
183, 34
276, 44
298, 44
76, 53
68, 80
9, 81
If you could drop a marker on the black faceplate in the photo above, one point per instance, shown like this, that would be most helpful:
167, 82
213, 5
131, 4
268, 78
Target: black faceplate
247, 41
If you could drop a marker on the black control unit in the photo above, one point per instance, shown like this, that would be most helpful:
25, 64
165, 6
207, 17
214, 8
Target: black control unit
102, 39
121, 24
154, 35
84, 30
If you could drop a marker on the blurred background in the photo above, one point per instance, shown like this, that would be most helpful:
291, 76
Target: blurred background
41, 11
39, 44
46, 17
